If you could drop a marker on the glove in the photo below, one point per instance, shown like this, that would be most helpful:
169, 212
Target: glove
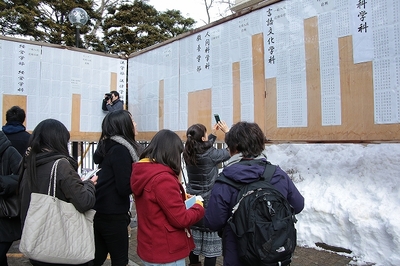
200, 203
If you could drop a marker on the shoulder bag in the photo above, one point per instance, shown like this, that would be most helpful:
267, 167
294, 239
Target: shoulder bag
54, 231
9, 207
9, 200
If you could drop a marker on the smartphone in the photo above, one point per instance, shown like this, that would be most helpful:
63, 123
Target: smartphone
90, 174
217, 119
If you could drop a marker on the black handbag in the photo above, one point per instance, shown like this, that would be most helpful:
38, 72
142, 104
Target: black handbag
9, 207
10, 204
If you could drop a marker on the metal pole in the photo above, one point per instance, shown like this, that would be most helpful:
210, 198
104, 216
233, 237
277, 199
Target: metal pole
77, 37
74, 143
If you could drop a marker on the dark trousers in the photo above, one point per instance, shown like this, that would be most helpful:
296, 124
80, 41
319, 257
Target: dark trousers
4, 247
195, 260
111, 236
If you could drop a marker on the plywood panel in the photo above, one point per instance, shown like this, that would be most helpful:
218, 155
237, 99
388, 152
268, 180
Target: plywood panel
146, 136
313, 75
358, 99
258, 79
236, 92
14, 100
85, 136
199, 103
75, 116
356, 92
161, 104
113, 81
270, 108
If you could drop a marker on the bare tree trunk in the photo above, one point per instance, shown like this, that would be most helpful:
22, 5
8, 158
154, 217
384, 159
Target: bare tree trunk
102, 7
223, 7
208, 5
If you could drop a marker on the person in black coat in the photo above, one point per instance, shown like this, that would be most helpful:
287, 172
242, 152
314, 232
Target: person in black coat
15, 130
116, 151
10, 228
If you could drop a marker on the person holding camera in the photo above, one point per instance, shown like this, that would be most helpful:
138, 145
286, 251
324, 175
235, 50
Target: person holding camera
112, 102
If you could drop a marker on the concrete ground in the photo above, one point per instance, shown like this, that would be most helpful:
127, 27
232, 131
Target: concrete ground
302, 256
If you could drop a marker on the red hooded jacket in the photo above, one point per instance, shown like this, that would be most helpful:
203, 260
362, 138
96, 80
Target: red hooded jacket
163, 220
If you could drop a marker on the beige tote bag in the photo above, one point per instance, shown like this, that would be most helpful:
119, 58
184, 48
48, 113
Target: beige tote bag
55, 232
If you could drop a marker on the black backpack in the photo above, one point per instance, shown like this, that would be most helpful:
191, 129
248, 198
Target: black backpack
263, 220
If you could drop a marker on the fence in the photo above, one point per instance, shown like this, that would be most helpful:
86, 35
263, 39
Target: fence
86, 151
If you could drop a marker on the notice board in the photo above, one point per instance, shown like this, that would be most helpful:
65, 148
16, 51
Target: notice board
64, 83
307, 70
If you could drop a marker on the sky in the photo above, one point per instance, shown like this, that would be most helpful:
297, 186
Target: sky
189, 8
352, 197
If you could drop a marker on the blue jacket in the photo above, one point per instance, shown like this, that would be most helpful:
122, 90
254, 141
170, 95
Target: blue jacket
223, 198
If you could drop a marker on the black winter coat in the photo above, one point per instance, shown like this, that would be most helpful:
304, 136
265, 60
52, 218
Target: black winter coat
113, 185
10, 229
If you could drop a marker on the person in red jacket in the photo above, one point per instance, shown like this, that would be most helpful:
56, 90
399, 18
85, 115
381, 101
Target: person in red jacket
163, 235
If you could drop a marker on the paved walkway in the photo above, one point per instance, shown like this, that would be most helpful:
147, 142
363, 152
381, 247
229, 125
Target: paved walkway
302, 256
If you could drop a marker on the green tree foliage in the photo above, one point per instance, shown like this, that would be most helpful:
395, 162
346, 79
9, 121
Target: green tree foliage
18, 17
133, 27
45, 21
172, 23
115, 26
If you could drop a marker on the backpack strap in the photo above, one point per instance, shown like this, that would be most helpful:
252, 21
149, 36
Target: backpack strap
269, 172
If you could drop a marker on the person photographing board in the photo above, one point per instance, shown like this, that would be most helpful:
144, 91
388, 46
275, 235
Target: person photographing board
112, 102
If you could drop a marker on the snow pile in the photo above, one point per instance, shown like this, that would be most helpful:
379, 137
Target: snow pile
352, 197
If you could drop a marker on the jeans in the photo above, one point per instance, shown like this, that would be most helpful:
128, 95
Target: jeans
175, 263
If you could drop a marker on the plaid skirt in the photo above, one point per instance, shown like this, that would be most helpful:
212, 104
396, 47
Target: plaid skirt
208, 244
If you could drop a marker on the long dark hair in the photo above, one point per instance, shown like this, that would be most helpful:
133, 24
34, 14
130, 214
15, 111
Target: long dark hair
194, 144
51, 137
119, 123
165, 148
246, 138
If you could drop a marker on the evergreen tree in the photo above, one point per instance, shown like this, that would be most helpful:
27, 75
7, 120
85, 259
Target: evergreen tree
114, 26
19, 17
133, 27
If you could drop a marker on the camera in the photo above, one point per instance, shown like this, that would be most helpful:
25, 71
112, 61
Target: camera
108, 96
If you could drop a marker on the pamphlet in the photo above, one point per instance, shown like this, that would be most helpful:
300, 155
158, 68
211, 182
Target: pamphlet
191, 201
